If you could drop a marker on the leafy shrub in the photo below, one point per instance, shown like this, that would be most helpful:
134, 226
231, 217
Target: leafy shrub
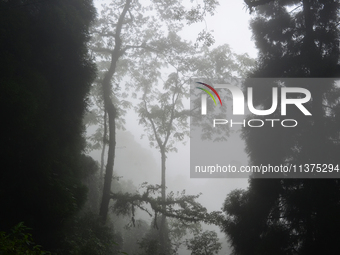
19, 241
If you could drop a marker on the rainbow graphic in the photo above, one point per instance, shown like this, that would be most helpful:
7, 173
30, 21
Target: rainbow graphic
208, 86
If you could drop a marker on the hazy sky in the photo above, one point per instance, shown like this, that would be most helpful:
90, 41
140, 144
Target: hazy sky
230, 25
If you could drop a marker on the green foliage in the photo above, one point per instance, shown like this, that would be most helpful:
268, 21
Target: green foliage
162, 113
204, 243
86, 235
178, 231
292, 216
178, 205
19, 242
220, 63
150, 246
164, 117
46, 75
139, 41
148, 35
91, 179
297, 38
132, 233
150, 243
216, 66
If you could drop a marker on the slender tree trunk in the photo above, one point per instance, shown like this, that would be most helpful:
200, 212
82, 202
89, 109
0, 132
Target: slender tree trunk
111, 112
104, 147
163, 231
110, 162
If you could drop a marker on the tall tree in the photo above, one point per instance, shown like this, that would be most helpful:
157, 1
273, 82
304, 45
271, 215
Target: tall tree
125, 27
292, 216
46, 75
163, 115
116, 52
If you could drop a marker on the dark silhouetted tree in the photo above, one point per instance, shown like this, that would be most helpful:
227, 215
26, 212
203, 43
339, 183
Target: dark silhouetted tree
46, 73
292, 216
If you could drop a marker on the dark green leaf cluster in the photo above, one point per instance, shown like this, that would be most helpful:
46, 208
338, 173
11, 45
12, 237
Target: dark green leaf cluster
180, 206
86, 235
19, 242
204, 243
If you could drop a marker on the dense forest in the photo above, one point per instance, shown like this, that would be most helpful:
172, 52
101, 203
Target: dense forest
76, 180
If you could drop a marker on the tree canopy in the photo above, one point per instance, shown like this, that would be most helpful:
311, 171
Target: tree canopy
291, 216
46, 75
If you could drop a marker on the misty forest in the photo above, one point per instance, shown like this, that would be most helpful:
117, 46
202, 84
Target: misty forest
96, 128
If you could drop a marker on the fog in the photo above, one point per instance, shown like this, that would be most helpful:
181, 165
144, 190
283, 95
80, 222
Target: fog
126, 129
136, 161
